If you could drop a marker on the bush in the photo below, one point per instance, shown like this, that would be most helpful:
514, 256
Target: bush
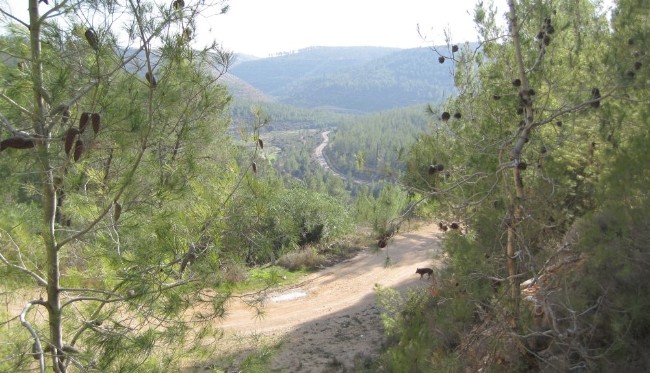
235, 273
306, 258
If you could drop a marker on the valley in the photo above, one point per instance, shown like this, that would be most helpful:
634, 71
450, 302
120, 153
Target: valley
322, 161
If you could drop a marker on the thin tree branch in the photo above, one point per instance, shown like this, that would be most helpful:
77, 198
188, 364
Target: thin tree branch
96, 299
14, 18
38, 349
573, 109
16, 56
93, 316
84, 290
16, 105
78, 96
14, 131
39, 279
54, 9
117, 296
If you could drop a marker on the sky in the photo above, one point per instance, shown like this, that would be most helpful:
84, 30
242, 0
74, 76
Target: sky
266, 27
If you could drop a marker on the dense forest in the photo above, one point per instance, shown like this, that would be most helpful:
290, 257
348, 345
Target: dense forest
135, 177
274, 75
372, 147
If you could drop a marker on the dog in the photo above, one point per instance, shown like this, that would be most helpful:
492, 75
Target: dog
424, 271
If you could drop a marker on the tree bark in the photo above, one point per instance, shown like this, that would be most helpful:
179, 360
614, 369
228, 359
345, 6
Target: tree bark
526, 102
42, 134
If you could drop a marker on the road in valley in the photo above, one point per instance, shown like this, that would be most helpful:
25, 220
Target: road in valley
318, 155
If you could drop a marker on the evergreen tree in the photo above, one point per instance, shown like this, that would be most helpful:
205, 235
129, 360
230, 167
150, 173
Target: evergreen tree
547, 107
112, 134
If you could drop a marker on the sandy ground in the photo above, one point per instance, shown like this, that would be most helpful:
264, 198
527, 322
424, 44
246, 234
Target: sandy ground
330, 320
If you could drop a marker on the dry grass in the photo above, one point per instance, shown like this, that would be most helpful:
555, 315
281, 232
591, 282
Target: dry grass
235, 273
304, 258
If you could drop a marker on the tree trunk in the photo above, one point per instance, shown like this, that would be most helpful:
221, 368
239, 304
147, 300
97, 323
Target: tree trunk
54, 306
42, 132
526, 102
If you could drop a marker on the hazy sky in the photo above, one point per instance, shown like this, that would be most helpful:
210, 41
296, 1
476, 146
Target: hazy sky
263, 27
266, 27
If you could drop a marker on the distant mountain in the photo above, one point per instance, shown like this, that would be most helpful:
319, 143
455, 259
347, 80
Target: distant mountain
243, 90
361, 79
272, 74
240, 58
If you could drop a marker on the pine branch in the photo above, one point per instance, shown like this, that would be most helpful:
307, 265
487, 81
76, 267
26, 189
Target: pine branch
37, 349
39, 280
14, 17
574, 109
16, 105
14, 131
55, 9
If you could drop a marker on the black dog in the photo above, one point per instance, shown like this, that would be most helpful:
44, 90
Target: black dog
424, 271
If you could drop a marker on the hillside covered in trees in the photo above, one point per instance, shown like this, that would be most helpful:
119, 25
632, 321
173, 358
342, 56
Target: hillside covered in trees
352, 79
372, 147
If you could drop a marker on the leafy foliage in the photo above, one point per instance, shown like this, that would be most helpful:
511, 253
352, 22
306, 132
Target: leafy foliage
109, 202
271, 220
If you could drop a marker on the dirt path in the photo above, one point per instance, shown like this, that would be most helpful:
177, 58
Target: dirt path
330, 321
318, 151
318, 155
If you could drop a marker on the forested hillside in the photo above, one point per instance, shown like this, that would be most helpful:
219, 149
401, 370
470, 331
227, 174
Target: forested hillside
351, 79
244, 91
282, 116
143, 187
372, 147
274, 74
402, 78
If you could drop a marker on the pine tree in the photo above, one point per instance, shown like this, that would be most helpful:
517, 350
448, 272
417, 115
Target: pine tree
546, 106
112, 136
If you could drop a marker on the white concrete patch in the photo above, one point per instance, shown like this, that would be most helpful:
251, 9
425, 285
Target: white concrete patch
288, 296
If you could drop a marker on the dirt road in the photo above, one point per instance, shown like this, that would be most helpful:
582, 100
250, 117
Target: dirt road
318, 155
330, 321
318, 151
